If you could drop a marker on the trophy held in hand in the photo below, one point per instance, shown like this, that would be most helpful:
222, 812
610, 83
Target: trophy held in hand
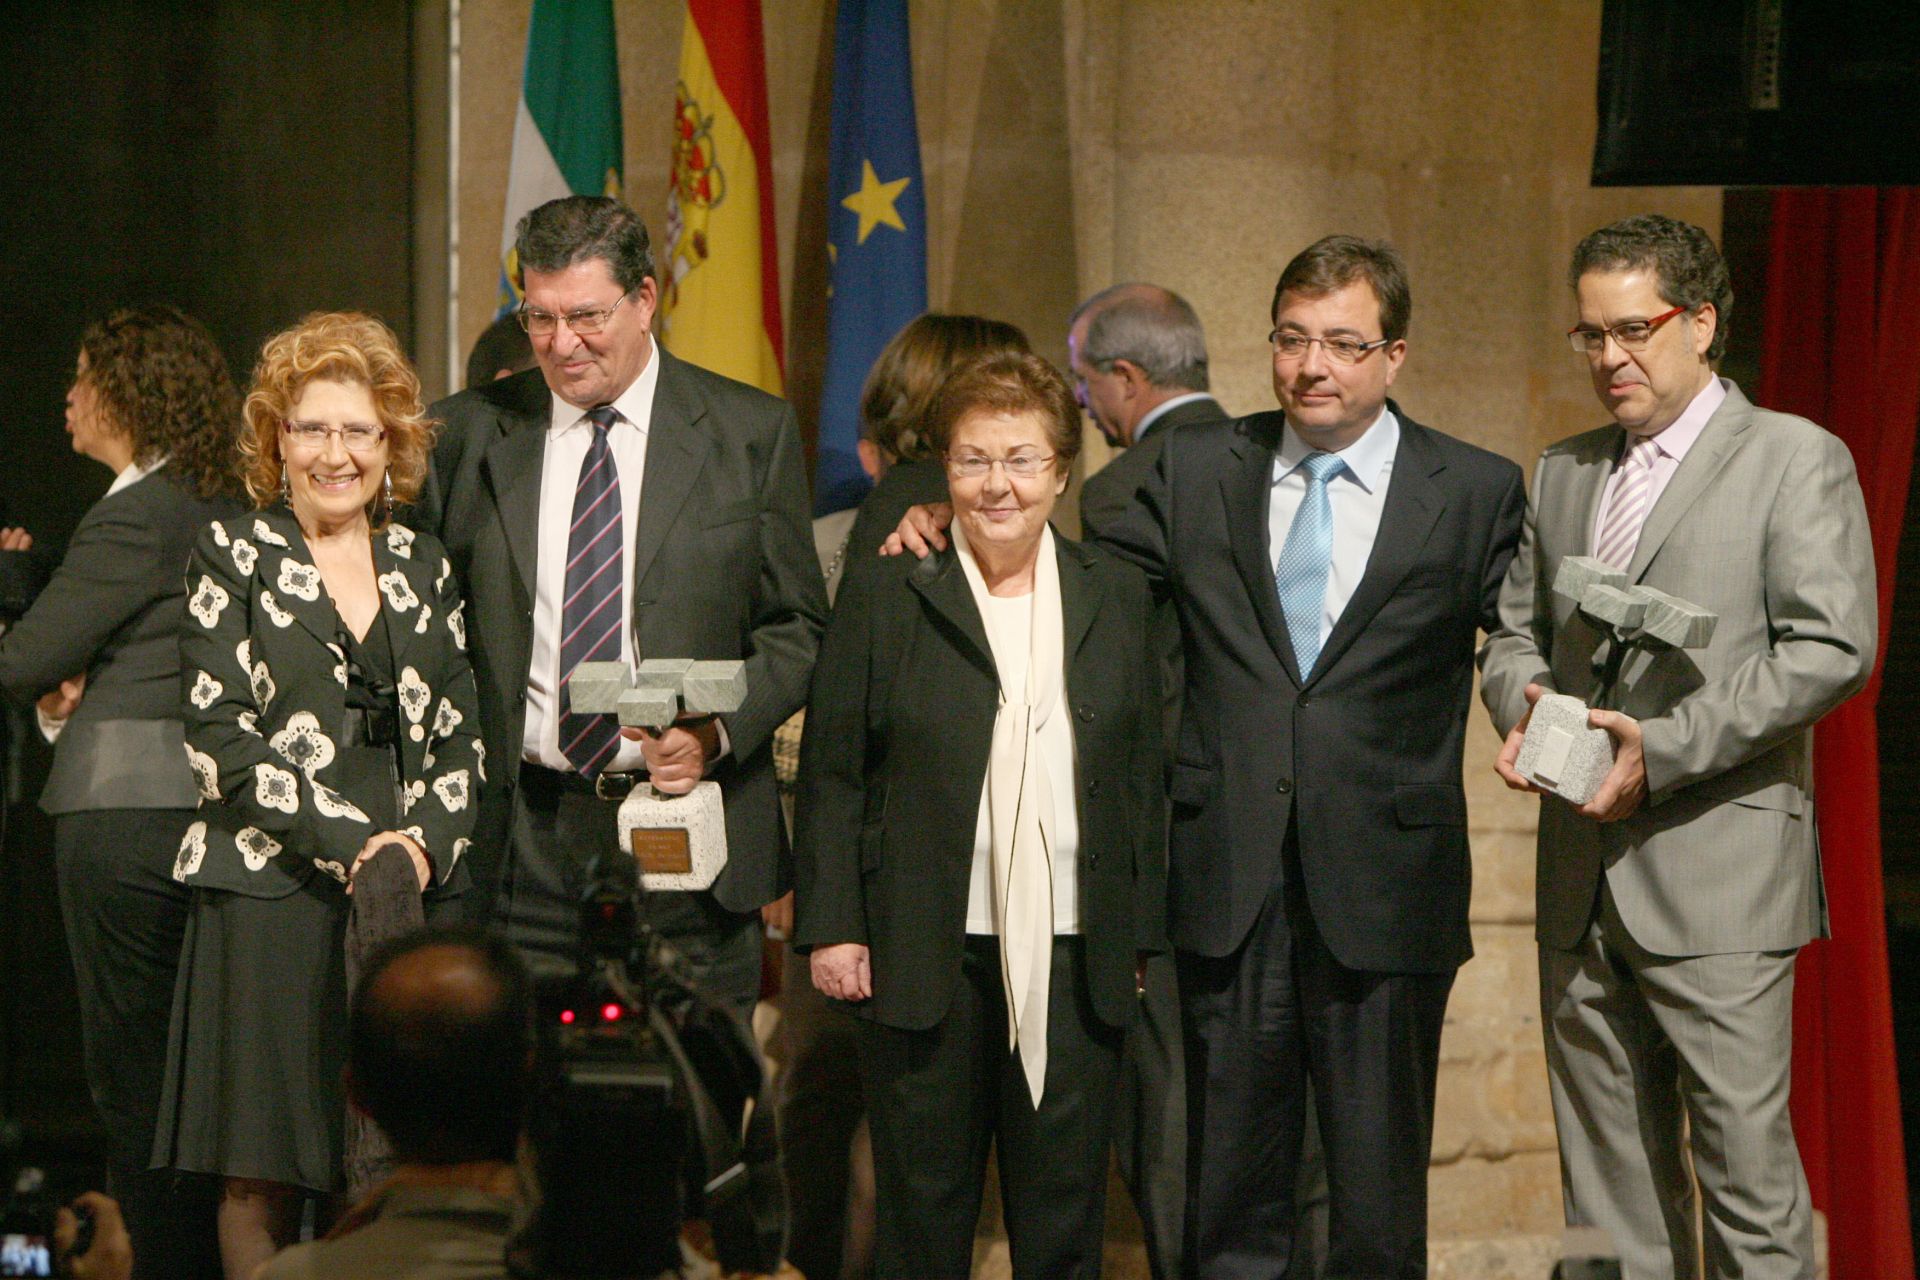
680, 842
1560, 752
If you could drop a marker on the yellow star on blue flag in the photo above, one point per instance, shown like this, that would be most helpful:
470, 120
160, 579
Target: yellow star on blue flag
874, 202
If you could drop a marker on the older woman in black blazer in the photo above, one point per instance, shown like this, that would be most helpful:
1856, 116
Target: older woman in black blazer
979, 845
330, 712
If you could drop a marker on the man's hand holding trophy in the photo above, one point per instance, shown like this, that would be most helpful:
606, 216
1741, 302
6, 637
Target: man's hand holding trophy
680, 842
1562, 753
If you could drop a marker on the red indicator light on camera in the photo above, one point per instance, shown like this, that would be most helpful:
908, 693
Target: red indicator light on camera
610, 1012
566, 1017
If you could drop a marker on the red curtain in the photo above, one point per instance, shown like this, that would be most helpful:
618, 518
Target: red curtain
1842, 347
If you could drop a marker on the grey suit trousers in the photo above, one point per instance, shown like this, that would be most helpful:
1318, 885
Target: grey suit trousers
1634, 1040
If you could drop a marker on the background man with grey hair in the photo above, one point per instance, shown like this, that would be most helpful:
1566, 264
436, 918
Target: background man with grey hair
618, 503
1671, 905
1139, 361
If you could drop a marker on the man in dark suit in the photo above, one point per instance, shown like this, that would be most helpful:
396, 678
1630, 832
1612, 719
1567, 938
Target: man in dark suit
1139, 364
622, 504
1330, 564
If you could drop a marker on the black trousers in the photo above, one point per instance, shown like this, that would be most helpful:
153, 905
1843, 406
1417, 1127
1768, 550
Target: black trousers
938, 1098
821, 1107
1150, 1119
125, 915
1260, 1023
557, 834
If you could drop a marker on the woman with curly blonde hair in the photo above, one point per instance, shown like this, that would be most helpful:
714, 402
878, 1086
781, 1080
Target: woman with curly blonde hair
153, 402
330, 716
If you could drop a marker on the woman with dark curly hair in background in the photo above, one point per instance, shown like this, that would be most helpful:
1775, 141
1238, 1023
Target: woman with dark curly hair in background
331, 717
98, 655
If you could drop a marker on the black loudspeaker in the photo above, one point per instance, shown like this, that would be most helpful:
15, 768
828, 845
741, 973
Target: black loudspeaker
1759, 93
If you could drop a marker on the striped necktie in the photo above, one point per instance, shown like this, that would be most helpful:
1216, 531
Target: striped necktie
1301, 574
1632, 498
591, 614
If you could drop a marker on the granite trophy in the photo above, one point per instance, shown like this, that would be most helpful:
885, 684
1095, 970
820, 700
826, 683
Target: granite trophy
680, 841
1560, 752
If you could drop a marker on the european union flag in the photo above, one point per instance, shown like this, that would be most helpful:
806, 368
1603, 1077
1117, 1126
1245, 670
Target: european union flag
876, 228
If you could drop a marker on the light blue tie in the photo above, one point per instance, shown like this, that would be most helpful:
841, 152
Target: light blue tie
1301, 574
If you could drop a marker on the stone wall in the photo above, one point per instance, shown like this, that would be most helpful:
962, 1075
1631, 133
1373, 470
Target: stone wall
1199, 144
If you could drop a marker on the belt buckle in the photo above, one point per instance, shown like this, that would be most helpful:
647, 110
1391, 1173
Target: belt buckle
613, 786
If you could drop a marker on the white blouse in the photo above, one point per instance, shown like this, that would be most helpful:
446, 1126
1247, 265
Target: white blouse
1009, 621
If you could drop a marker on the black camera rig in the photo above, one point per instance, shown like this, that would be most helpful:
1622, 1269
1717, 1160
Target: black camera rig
653, 1108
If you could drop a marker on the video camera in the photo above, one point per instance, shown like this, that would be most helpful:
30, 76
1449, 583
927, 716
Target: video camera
26, 1215
653, 1108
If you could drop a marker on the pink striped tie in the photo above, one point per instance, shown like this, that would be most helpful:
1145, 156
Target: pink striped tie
1632, 497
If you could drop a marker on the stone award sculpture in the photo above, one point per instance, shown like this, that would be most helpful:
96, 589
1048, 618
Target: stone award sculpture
680, 841
1560, 752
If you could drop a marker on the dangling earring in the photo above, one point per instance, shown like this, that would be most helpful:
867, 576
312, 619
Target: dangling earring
386, 487
286, 489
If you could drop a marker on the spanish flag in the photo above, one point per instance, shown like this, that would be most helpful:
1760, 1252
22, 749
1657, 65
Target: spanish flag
720, 304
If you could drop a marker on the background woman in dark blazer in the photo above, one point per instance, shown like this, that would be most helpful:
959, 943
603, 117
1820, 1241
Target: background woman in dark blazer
979, 831
330, 712
152, 400
825, 1147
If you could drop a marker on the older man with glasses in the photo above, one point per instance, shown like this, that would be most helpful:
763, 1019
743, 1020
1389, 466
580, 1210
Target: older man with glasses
619, 504
1672, 903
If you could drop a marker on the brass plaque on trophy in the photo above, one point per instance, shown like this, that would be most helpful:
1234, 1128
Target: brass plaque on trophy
663, 850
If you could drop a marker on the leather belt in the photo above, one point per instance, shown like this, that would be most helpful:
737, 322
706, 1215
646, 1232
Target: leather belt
541, 780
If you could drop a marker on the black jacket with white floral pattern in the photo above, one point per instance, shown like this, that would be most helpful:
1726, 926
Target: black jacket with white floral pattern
264, 685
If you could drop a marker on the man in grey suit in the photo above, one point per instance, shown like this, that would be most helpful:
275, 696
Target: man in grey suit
621, 504
1671, 905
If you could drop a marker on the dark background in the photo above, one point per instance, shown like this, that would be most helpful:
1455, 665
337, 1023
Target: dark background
249, 163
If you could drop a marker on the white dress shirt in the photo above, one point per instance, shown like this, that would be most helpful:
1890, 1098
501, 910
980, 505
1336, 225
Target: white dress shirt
1357, 497
569, 435
1162, 409
1009, 623
1670, 448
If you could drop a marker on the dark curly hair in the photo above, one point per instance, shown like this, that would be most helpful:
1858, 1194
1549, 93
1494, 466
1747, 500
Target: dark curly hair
1688, 269
573, 229
162, 382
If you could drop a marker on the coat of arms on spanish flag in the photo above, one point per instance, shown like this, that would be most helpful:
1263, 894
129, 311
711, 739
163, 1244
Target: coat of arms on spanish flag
720, 286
